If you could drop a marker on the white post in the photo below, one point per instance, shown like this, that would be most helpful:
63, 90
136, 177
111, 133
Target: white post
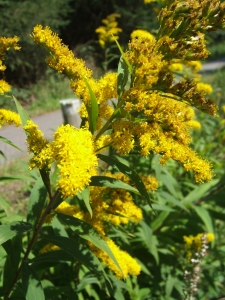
70, 111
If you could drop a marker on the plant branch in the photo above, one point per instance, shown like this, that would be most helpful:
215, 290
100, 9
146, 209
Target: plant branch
33, 240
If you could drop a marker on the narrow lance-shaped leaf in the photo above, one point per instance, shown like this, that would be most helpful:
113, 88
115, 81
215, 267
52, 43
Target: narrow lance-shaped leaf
89, 233
129, 173
112, 183
124, 57
36, 202
5, 140
31, 284
9, 231
23, 114
19, 177
204, 215
123, 76
13, 248
4, 205
92, 109
2, 154
85, 196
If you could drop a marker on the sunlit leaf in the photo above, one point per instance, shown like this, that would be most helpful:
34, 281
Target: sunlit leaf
9, 231
36, 202
5, 140
31, 284
23, 114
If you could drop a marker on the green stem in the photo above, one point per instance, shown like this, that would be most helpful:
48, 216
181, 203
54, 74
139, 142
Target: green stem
109, 121
32, 242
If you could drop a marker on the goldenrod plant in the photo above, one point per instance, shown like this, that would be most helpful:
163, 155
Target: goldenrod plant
85, 206
107, 34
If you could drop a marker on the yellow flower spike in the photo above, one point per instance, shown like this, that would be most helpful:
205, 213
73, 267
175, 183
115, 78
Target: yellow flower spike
108, 33
9, 117
194, 124
142, 34
73, 150
176, 67
4, 86
204, 87
6, 44
38, 145
195, 65
62, 59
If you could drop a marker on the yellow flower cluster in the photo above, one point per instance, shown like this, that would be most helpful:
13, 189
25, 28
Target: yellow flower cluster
109, 32
194, 65
128, 264
6, 44
140, 33
72, 149
49, 247
9, 117
4, 86
195, 242
176, 67
155, 113
165, 130
61, 58
204, 87
37, 145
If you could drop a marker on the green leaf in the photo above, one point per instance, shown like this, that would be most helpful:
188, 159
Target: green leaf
111, 183
89, 233
85, 196
159, 220
77, 251
169, 286
36, 202
4, 205
19, 177
123, 76
129, 173
5, 140
58, 227
205, 217
2, 154
9, 231
170, 199
124, 58
162, 207
31, 284
92, 109
52, 256
150, 240
170, 183
9, 274
23, 114
13, 248
198, 192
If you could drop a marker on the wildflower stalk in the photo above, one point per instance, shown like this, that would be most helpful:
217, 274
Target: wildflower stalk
33, 240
